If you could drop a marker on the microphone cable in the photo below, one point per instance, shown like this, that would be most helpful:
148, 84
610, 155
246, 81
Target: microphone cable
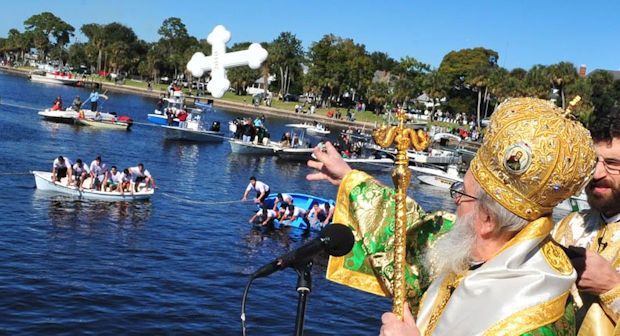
243, 301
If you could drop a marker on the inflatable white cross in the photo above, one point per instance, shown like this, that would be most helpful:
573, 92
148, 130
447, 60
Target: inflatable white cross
220, 60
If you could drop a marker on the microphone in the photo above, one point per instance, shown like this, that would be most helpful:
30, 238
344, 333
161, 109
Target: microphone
335, 239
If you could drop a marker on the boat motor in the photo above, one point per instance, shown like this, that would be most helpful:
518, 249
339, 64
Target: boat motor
215, 127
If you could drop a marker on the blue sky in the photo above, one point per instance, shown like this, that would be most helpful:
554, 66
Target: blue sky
524, 32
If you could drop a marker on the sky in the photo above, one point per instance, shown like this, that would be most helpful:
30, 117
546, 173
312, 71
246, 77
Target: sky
524, 32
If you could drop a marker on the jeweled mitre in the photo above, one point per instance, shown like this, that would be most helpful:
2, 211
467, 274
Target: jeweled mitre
534, 155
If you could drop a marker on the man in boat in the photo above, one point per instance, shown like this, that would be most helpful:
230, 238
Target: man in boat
98, 174
319, 214
115, 180
93, 98
80, 173
282, 198
261, 189
61, 167
292, 214
496, 270
263, 217
57, 106
594, 235
140, 175
286, 140
126, 182
76, 105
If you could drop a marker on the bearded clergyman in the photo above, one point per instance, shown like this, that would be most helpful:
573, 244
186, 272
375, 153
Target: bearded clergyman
596, 234
494, 269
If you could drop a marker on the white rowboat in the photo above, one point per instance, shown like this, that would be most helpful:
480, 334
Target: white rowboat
44, 182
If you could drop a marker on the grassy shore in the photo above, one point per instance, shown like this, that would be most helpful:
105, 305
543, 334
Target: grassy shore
362, 119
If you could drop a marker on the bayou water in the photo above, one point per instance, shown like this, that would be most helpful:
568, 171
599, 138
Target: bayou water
176, 264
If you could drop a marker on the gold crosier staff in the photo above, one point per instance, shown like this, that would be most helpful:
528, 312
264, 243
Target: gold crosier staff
402, 138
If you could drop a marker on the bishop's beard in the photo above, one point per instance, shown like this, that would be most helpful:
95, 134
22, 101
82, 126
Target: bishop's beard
452, 252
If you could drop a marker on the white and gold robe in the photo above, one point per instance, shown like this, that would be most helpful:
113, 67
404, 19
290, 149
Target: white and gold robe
598, 315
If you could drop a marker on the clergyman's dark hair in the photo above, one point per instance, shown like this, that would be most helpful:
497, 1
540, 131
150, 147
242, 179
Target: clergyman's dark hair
606, 127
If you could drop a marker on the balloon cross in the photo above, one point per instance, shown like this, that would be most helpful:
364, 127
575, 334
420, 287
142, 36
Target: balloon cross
220, 60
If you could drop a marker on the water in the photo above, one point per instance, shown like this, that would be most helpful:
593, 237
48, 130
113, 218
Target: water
166, 266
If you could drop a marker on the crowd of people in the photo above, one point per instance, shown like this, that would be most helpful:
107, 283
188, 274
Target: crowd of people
97, 176
76, 104
251, 130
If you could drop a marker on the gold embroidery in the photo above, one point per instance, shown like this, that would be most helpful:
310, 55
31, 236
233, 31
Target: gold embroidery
612, 295
536, 229
556, 257
562, 157
443, 296
530, 318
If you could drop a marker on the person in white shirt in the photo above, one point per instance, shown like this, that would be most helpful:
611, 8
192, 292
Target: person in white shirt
282, 198
96, 170
115, 180
293, 213
262, 190
80, 173
263, 217
62, 168
320, 214
139, 175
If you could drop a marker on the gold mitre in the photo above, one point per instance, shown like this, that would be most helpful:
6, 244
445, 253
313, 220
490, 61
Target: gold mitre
534, 155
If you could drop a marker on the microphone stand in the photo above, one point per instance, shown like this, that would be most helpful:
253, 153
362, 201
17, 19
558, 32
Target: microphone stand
304, 286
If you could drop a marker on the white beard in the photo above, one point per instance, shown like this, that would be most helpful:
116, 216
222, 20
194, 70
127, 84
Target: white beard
452, 253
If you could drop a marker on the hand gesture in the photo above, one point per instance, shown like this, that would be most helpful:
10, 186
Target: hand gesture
595, 274
330, 165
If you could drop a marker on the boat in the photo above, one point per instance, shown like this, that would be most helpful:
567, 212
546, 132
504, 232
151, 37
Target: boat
105, 124
69, 115
303, 201
369, 163
193, 130
294, 153
438, 177
208, 106
173, 105
56, 77
240, 147
304, 126
318, 129
44, 182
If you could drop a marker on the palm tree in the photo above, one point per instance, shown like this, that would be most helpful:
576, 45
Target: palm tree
560, 75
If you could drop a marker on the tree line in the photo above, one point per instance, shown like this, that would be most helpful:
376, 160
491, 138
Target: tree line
335, 70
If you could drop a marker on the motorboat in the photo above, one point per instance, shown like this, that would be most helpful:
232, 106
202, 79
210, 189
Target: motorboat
56, 77
105, 124
193, 130
173, 105
369, 163
44, 182
69, 115
243, 147
208, 106
303, 201
294, 153
438, 177
318, 129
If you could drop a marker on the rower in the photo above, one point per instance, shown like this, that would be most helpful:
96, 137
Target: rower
62, 168
80, 173
263, 217
114, 180
282, 198
139, 175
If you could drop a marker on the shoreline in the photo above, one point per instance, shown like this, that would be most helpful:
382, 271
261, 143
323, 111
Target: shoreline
247, 108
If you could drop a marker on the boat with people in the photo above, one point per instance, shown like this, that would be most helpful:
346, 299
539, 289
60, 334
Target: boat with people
238, 146
114, 124
69, 115
45, 182
193, 130
174, 107
56, 77
318, 129
294, 146
300, 200
438, 177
